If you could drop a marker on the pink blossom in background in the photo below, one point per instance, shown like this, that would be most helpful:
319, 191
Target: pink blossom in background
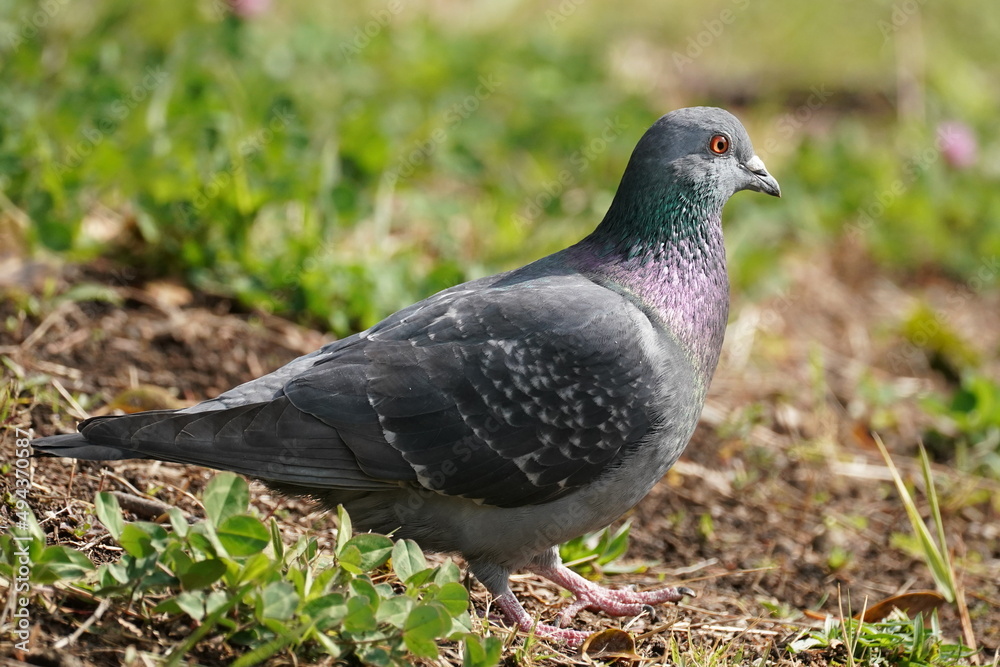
248, 9
958, 144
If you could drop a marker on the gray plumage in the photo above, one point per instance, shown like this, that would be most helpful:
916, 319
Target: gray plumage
506, 415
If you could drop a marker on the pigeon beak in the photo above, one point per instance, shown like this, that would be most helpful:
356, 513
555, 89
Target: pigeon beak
760, 180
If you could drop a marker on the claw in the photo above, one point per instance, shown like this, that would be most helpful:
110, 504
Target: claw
621, 602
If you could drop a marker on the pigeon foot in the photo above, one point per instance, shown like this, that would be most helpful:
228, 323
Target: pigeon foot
612, 602
515, 614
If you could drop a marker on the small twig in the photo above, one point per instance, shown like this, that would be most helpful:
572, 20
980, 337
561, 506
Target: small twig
124, 482
96, 616
691, 569
97, 541
966, 622
721, 575
187, 494
656, 630
75, 408
46, 324
53, 515
149, 508
727, 629
53, 368
88, 596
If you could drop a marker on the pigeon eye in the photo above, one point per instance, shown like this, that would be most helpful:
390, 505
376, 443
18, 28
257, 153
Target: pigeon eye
719, 144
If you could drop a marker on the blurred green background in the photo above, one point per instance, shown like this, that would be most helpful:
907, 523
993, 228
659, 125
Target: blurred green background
333, 162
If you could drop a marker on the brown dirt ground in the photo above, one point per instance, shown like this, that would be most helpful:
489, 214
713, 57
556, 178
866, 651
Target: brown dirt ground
781, 503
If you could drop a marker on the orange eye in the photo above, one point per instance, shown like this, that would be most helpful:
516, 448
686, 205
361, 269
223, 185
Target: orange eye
719, 144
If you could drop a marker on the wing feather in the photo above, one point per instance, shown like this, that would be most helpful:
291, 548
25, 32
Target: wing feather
505, 396
509, 391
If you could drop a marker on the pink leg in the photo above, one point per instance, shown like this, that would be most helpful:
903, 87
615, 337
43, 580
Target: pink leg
613, 602
515, 613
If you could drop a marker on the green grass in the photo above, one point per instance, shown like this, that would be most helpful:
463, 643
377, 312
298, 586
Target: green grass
897, 640
309, 168
968, 427
231, 577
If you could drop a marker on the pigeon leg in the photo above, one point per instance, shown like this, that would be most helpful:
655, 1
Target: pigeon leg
516, 615
496, 580
591, 596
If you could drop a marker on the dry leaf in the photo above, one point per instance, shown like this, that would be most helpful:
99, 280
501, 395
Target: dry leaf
145, 397
610, 644
863, 436
908, 603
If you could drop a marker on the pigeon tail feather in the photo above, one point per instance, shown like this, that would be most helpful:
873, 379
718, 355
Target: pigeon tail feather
76, 446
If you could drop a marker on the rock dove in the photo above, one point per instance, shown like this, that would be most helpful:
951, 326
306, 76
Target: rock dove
504, 416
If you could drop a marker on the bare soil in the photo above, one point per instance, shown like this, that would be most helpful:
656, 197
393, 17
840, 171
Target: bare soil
780, 512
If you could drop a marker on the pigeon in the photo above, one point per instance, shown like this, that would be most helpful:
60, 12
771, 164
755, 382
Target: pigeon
504, 416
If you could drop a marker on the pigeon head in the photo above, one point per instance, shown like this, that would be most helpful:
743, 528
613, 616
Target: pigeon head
702, 151
682, 172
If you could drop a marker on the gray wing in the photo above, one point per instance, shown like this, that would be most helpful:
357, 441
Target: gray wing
508, 394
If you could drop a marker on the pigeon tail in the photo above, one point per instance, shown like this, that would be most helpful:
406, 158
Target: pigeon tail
76, 446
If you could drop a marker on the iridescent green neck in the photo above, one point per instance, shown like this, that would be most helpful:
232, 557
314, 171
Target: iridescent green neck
667, 252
